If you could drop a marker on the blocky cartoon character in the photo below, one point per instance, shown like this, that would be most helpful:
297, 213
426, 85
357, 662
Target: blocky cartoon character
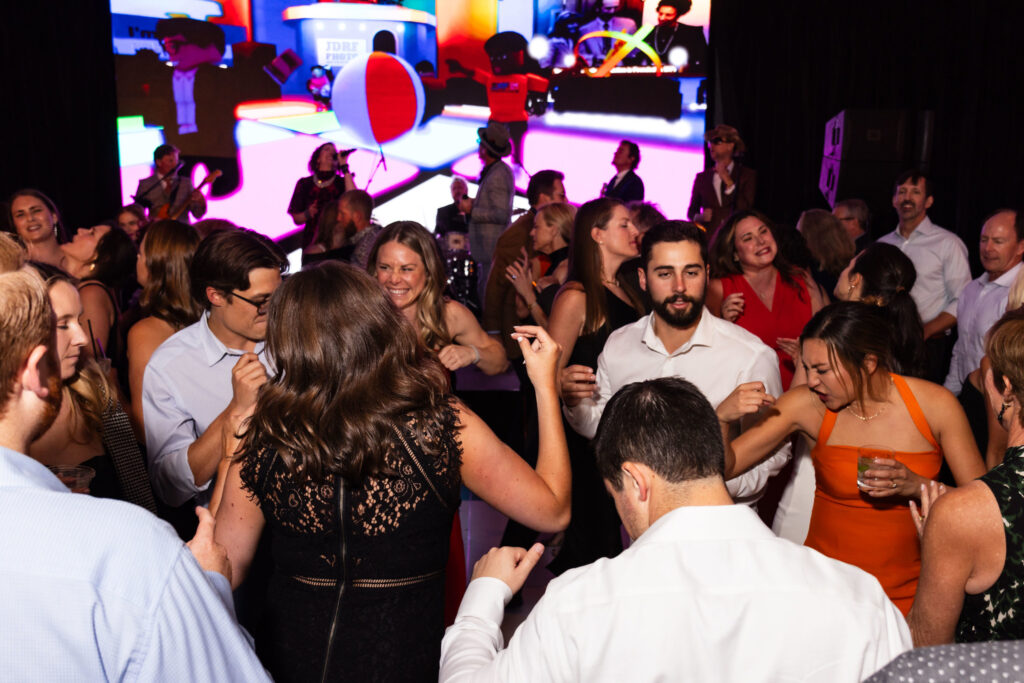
512, 91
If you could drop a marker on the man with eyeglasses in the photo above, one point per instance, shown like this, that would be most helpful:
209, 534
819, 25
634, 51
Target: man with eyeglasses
727, 186
202, 382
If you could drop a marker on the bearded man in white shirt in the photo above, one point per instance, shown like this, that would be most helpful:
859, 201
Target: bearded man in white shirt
706, 592
940, 259
682, 338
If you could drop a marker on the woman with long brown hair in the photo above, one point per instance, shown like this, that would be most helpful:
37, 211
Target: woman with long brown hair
407, 263
354, 458
590, 306
35, 220
166, 302
755, 287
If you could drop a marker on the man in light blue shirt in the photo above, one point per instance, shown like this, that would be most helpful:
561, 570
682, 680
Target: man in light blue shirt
983, 301
202, 382
93, 589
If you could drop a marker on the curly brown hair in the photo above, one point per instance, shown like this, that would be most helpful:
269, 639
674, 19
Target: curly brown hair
344, 376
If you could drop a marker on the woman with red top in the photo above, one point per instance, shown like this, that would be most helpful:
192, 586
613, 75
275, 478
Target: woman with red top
852, 401
754, 287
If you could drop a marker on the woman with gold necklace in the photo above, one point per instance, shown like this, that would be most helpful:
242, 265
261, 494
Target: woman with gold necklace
330, 179
851, 407
590, 306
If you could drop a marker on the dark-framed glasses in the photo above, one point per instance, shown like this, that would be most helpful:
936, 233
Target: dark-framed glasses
261, 306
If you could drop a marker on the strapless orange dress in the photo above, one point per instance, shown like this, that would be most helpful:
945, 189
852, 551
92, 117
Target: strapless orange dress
877, 535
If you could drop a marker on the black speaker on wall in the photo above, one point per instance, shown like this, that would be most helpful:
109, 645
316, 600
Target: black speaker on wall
865, 149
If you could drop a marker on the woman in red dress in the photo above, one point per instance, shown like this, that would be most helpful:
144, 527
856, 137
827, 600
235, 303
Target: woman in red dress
754, 287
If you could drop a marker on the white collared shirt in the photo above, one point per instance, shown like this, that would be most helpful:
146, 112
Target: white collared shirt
980, 305
705, 594
716, 180
940, 259
718, 357
184, 83
187, 384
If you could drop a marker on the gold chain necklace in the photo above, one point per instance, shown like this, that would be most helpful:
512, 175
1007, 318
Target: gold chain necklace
881, 410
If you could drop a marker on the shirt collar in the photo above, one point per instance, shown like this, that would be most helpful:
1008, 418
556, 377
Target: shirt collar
1006, 279
702, 336
924, 228
213, 349
706, 523
20, 470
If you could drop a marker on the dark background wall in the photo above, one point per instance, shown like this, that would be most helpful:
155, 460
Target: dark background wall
59, 106
783, 69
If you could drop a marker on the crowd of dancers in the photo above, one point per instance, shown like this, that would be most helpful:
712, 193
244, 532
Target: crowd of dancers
694, 382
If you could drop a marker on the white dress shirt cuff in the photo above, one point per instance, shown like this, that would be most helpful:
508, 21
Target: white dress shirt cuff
485, 598
173, 479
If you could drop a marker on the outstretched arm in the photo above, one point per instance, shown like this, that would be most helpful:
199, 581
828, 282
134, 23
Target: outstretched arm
540, 498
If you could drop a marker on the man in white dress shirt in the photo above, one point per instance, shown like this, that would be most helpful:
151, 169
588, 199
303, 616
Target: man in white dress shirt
202, 382
705, 593
682, 338
940, 259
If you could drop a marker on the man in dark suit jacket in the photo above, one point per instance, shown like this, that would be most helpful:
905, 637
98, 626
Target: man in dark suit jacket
625, 184
451, 218
727, 186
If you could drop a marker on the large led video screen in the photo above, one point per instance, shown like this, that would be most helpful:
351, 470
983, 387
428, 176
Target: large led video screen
249, 88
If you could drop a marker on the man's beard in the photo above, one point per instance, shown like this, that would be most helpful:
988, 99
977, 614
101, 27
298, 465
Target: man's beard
679, 319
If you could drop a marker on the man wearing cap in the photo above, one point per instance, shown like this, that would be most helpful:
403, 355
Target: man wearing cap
490, 212
726, 187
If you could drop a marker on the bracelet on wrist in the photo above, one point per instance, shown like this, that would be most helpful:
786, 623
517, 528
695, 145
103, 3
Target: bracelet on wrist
476, 354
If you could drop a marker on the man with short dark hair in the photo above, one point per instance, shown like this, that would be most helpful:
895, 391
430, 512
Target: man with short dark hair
706, 592
855, 216
355, 209
166, 193
202, 382
94, 589
625, 185
545, 187
940, 259
681, 338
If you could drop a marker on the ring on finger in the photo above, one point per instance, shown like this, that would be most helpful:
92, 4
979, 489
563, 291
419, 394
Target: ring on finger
894, 483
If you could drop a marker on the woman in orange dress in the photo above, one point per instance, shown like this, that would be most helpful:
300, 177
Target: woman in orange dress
852, 401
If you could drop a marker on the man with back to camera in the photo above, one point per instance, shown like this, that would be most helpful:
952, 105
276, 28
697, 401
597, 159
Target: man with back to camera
940, 259
625, 185
680, 338
491, 210
166, 192
94, 589
201, 383
706, 592
981, 304
855, 216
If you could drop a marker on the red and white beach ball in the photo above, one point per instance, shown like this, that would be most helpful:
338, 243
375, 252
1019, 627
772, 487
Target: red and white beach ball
377, 98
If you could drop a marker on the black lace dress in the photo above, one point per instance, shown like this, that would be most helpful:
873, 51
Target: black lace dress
368, 584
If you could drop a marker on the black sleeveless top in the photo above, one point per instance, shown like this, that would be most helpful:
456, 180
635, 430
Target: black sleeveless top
588, 347
366, 585
998, 613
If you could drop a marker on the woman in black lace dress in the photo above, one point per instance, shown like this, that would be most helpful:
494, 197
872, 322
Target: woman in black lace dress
972, 538
353, 459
